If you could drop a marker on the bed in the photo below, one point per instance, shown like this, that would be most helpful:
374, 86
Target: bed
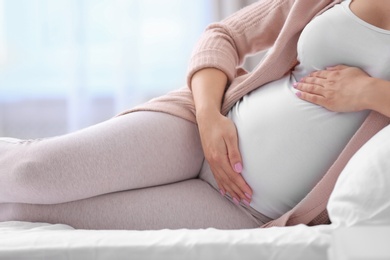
359, 199
21, 240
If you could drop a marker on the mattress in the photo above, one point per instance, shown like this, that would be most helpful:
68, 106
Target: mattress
24, 240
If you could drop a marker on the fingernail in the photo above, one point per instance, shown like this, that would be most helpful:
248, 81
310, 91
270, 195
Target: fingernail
295, 84
222, 192
238, 167
248, 195
236, 201
246, 203
299, 94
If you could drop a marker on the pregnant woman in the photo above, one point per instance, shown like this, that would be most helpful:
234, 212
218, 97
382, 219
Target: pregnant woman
233, 149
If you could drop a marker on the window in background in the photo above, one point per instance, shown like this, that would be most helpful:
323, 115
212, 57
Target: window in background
67, 64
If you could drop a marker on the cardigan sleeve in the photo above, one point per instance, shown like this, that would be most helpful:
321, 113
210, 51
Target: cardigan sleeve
225, 44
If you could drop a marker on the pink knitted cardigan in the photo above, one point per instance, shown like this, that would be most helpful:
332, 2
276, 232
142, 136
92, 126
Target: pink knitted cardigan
275, 26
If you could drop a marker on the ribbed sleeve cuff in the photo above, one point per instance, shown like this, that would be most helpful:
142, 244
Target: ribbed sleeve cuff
211, 59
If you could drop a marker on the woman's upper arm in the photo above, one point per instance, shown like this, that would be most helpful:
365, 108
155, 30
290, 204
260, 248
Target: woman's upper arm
225, 44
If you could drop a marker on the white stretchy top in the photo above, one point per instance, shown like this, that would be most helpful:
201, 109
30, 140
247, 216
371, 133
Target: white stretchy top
288, 144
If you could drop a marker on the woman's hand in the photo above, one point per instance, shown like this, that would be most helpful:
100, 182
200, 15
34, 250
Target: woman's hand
218, 134
220, 145
339, 89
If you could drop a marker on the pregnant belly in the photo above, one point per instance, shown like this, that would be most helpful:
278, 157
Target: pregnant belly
287, 144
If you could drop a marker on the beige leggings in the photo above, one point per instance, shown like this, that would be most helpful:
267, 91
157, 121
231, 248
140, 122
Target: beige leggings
143, 170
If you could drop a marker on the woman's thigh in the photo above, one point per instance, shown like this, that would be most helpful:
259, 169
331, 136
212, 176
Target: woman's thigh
133, 151
189, 204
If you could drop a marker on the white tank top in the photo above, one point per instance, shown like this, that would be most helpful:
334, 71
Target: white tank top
288, 144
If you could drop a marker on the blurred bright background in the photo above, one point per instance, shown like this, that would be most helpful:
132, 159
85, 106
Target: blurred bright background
67, 64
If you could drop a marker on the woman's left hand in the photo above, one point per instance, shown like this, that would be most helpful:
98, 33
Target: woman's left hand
339, 89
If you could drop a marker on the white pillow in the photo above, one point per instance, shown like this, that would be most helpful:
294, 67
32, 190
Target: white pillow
362, 192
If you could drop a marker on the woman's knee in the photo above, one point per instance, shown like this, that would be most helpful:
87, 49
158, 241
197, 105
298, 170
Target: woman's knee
25, 173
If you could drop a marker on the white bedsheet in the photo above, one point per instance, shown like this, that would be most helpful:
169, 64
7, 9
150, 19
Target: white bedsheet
23, 240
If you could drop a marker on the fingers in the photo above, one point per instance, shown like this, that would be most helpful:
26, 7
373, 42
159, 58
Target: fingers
325, 73
337, 67
228, 168
312, 98
322, 74
312, 85
228, 178
244, 192
311, 90
228, 183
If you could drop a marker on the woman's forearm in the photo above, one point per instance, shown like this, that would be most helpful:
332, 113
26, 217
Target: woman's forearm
218, 134
208, 87
377, 96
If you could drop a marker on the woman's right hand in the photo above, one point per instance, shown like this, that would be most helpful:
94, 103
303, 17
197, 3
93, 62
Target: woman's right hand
218, 134
220, 145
